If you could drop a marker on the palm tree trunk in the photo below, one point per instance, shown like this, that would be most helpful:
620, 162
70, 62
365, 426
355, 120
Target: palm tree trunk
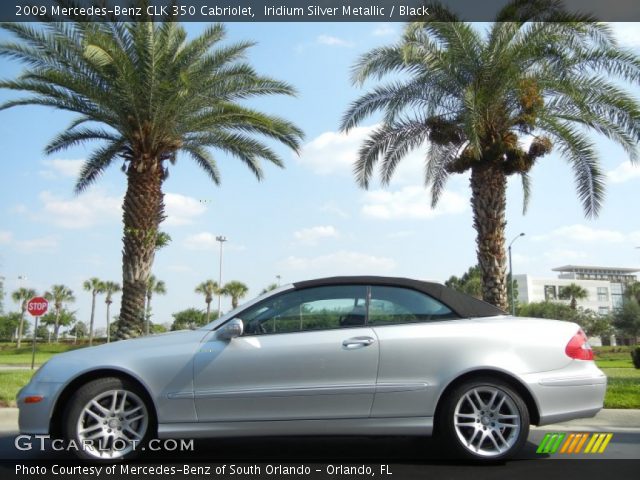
488, 200
20, 327
143, 210
234, 302
108, 322
208, 311
93, 312
56, 327
147, 316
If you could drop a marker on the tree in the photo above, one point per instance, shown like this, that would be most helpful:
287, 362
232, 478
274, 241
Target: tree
1, 295
147, 93
236, 290
573, 292
109, 288
208, 288
79, 330
153, 286
627, 319
9, 324
59, 295
22, 296
471, 98
469, 283
633, 291
59, 318
189, 319
95, 286
269, 288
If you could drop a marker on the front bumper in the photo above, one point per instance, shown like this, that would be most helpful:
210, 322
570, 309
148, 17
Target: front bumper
576, 391
35, 418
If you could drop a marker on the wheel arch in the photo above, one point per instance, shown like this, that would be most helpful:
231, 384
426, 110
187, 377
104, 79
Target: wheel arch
514, 382
57, 413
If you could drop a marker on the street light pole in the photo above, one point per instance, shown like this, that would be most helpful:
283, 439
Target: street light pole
221, 239
513, 303
278, 278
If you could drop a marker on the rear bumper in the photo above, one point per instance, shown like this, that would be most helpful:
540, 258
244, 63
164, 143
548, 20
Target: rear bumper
576, 391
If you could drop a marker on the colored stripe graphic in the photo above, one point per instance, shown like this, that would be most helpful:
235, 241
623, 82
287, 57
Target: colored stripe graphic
573, 443
551, 442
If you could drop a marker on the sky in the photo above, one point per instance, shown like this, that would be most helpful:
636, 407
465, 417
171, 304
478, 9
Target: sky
305, 221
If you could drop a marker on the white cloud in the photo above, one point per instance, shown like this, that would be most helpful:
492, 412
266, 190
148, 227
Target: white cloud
583, 233
333, 41
411, 202
207, 241
332, 208
311, 236
339, 263
61, 167
624, 172
5, 237
383, 30
42, 244
181, 210
85, 210
627, 33
400, 234
333, 153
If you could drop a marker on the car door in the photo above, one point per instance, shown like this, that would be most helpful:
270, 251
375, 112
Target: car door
304, 354
410, 327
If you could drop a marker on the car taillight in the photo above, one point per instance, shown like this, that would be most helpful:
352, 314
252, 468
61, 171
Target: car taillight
579, 348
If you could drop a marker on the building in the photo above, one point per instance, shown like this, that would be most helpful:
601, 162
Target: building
605, 286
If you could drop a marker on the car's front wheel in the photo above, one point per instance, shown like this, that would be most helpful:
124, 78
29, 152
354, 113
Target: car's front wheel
483, 419
108, 419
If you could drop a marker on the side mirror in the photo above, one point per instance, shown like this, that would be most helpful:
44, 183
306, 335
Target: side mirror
233, 329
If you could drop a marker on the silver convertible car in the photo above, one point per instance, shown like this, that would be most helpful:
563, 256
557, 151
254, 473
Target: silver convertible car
337, 356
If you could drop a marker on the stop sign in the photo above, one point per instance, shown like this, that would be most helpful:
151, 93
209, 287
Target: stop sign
37, 306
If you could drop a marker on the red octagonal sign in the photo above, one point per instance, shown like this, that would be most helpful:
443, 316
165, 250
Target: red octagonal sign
37, 306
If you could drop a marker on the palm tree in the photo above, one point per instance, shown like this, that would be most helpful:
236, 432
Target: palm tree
95, 286
146, 93
153, 286
573, 292
59, 295
236, 290
109, 288
209, 288
474, 97
269, 288
22, 296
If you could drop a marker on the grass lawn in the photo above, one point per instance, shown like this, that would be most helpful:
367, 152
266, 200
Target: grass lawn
9, 355
10, 383
623, 388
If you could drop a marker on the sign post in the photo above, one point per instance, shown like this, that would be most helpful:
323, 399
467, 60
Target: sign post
36, 307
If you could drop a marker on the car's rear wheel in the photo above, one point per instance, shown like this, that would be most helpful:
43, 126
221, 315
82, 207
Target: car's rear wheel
483, 419
108, 419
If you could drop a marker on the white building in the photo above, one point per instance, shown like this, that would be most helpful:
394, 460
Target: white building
604, 285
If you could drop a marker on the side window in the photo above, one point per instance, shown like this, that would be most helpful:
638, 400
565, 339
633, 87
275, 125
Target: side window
317, 308
394, 305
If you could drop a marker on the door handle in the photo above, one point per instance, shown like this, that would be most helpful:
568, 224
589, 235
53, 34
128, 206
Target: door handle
357, 342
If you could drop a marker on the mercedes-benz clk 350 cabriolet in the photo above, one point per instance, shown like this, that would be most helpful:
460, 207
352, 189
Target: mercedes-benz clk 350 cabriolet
337, 356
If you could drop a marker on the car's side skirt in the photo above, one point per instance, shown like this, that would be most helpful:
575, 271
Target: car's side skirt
350, 426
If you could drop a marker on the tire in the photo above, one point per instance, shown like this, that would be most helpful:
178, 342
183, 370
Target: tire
108, 419
483, 419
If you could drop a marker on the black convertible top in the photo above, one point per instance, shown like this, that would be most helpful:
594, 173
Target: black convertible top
462, 304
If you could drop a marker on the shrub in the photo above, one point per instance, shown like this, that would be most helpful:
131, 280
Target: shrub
635, 357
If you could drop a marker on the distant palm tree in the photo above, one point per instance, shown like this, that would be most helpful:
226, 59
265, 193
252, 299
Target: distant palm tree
109, 288
59, 295
146, 92
208, 288
153, 286
473, 98
573, 292
95, 286
22, 296
236, 290
268, 288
